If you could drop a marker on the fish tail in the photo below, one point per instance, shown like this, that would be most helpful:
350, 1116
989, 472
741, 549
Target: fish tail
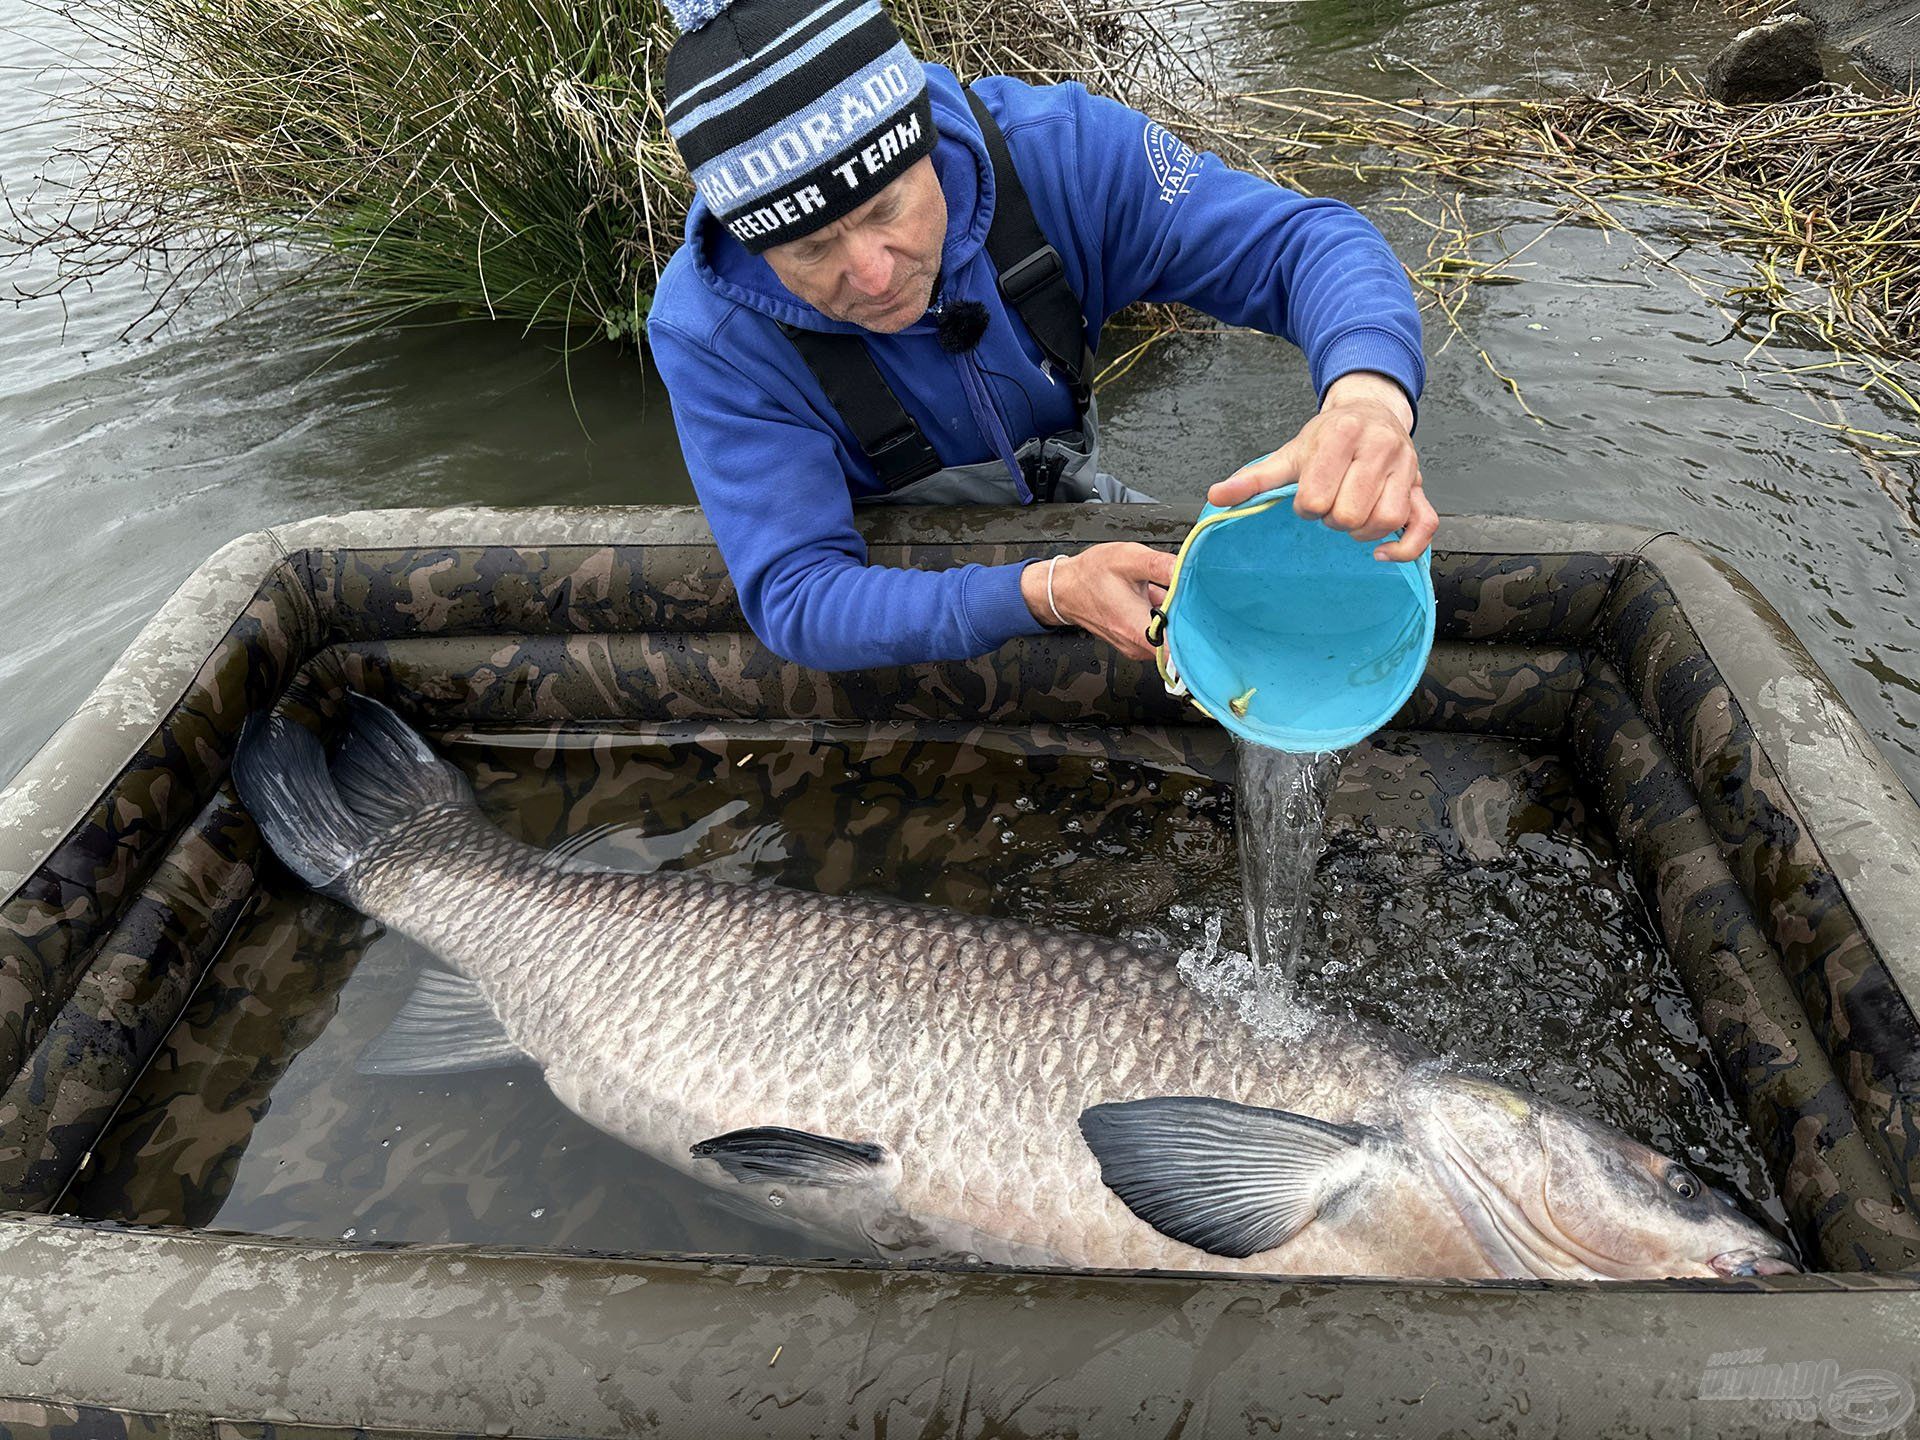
322, 819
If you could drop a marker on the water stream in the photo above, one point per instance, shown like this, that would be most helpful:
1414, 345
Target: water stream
1280, 815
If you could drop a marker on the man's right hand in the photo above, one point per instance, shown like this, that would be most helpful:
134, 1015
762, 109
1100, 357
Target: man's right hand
1107, 590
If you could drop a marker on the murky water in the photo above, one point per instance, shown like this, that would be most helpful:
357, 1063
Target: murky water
122, 465
1280, 828
1465, 897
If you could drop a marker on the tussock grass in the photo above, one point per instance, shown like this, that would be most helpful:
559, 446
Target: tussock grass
1821, 193
420, 160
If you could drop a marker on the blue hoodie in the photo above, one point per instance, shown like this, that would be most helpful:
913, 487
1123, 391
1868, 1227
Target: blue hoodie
1135, 215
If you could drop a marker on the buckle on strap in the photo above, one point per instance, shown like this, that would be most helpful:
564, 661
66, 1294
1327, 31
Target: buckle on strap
905, 454
1020, 280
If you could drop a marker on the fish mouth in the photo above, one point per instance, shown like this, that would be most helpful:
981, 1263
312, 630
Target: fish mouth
1752, 1262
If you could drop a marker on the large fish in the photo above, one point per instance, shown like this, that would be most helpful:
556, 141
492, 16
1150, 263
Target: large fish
927, 1081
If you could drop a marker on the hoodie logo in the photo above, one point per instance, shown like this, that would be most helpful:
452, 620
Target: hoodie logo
1172, 160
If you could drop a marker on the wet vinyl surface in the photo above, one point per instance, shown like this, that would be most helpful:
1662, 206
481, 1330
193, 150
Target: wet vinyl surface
1466, 896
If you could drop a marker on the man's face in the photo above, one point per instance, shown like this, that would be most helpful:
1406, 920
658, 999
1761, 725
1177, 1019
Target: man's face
874, 266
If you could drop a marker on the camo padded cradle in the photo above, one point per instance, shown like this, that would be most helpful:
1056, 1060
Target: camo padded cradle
1777, 851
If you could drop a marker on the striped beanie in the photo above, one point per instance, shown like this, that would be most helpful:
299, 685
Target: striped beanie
790, 113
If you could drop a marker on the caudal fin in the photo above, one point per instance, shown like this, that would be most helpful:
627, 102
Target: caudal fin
320, 821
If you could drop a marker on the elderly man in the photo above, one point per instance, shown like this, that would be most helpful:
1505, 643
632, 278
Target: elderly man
890, 291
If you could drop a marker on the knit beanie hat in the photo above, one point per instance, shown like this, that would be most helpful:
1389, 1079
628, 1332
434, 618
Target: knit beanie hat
790, 113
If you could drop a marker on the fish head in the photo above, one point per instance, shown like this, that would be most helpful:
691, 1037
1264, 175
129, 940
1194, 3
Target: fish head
1549, 1193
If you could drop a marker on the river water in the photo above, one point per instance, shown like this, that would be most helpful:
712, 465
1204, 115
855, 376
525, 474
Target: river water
123, 464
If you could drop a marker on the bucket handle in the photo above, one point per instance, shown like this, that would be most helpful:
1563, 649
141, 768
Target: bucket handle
1163, 654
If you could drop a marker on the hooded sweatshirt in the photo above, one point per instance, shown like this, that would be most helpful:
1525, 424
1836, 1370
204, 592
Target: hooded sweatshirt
1135, 215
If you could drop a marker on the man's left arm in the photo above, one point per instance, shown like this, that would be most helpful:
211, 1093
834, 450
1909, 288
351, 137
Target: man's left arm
1174, 224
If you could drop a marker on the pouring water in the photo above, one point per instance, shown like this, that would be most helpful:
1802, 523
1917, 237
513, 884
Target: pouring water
1280, 811
1300, 643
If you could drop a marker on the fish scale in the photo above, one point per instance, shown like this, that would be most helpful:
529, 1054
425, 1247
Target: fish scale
671, 1007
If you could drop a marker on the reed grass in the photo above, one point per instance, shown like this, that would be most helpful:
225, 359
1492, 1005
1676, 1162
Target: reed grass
420, 160
1820, 194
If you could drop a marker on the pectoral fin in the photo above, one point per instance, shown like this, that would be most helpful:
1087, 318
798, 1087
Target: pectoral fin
794, 1157
1229, 1179
446, 1025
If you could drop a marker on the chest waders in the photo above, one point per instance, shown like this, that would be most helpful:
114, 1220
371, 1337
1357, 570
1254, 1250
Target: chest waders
1060, 467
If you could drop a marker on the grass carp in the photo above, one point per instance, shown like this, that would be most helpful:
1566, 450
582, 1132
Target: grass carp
921, 1081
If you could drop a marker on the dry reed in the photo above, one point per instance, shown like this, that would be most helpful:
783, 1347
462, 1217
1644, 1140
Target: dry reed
1821, 194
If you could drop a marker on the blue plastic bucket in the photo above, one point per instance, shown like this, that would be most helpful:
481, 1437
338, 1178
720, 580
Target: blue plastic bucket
1289, 632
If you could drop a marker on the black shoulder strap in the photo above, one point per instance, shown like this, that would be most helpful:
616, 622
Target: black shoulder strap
1032, 279
855, 387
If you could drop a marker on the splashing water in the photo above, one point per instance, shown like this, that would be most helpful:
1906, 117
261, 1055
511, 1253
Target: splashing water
1280, 812
1228, 978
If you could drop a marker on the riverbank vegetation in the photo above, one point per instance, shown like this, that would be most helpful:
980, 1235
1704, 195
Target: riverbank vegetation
419, 159
1820, 193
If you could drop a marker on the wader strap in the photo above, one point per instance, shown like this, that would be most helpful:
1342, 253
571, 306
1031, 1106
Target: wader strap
1032, 279
854, 386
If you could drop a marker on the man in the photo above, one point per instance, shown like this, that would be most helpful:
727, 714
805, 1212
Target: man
887, 294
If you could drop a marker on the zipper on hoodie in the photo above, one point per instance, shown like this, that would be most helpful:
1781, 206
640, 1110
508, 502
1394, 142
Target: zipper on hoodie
986, 413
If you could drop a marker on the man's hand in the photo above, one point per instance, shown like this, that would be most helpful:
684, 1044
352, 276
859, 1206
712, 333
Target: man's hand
1356, 467
1107, 590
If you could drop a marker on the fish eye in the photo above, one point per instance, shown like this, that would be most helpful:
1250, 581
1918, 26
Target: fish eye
1682, 1182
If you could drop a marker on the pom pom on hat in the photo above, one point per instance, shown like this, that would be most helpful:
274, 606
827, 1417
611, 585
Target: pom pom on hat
692, 14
